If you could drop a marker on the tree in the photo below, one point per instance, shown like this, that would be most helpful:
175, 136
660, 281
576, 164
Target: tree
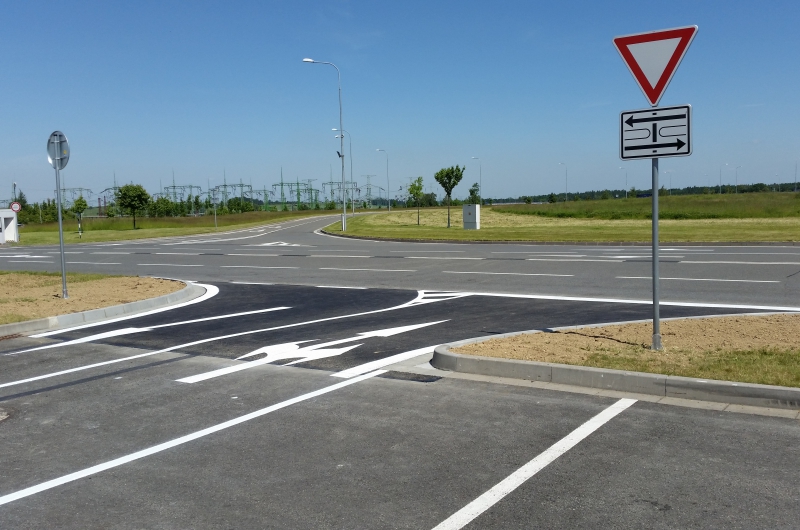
79, 206
474, 197
132, 198
448, 178
415, 190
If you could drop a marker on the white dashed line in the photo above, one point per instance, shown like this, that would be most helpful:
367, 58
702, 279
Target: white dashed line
508, 273
375, 270
697, 279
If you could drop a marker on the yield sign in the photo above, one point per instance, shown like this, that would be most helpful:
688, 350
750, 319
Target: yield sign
653, 57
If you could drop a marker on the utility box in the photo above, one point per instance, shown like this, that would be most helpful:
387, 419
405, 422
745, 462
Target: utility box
9, 232
472, 216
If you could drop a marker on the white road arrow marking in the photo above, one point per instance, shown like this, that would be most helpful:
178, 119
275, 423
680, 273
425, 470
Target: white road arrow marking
292, 350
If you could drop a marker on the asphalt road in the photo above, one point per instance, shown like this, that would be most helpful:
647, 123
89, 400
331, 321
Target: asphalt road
292, 253
152, 422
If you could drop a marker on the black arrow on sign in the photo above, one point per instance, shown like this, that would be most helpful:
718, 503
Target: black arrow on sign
630, 121
676, 144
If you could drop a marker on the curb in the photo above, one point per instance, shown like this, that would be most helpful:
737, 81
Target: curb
606, 379
189, 292
581, 243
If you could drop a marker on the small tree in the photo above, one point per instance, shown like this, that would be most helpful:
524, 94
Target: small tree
448, 178
79, 206
474, 194
415, 190
133, 198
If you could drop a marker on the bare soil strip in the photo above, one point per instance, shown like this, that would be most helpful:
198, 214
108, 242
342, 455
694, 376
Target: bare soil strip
28, 296
751, 349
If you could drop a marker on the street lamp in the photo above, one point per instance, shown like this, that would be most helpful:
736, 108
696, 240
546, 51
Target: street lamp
566, 186
341, 139
670, 171
388, 198
350, 139
626, 180
480, 178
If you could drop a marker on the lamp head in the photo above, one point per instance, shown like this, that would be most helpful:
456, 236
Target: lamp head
307, 60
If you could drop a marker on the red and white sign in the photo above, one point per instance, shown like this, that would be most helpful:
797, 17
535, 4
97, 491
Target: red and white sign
653, 57
16, 207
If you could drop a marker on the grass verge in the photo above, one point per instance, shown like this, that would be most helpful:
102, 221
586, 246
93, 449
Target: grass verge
31, 295
120, 229
498, 225
749, 349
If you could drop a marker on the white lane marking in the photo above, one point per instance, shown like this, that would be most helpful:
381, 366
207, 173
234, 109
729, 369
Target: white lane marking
262, 233
415, 250
423, 297
508, 273
176, 253
697, 279
253, 283
91, 263
376, 270
565, 259
44, 486
65, 252
253, 267
380, 363
114, 253
166, 265
29, 261
338, 287
337, 256
569, 252
211, 291
256, 255
630, 301
439, 257
468, 513
744, 262
128, 331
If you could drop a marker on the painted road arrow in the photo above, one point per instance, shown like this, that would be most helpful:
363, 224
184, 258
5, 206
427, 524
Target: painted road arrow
676, 144
630, 121
292, 350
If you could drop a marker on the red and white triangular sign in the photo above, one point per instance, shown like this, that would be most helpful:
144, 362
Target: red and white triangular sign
653, 57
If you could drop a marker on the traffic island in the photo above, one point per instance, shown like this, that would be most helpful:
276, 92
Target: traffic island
32, 301
745, 360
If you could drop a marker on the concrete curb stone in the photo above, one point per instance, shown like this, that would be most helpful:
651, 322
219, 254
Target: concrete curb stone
189, 292
635, 382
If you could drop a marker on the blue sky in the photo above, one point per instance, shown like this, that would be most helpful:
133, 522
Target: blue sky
144, 88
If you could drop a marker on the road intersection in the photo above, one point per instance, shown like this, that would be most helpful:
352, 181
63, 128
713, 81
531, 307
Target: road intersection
280, 401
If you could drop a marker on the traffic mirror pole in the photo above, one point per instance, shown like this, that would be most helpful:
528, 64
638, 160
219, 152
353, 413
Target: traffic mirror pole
656, 294
60, 222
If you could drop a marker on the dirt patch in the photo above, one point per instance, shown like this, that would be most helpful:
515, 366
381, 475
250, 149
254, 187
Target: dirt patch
25, 296
742, 348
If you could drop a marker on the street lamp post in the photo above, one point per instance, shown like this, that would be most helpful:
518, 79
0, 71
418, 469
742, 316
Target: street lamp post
388, 197
341, 139
350, 141
626, 180
480, 177
566, 181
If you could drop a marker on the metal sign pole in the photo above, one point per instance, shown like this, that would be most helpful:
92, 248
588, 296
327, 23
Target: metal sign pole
57, 160
656, 318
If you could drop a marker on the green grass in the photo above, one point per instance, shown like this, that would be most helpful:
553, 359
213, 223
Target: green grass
725, 206
497, 225
117, 229
71, 276
761, 366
